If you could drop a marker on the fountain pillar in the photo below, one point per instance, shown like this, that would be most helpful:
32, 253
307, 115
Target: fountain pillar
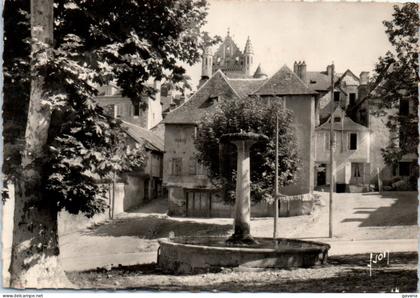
243, 191
242, 229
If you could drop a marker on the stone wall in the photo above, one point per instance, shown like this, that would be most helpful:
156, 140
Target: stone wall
303, 108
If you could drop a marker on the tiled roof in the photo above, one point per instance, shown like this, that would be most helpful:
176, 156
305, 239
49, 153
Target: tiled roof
234, 74
245, 87
284, 82
194, 109
140, 134
318, 80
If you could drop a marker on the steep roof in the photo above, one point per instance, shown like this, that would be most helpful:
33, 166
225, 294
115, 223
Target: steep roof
228, 42
259, 73
202, 101
345, 124
248, 47
140, 134
350, 73
318, 80
245, 87
284, 82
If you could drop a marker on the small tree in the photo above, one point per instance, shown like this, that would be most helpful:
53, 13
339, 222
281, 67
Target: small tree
248, 115
398, 81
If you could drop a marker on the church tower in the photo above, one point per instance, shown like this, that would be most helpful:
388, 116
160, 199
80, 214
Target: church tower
248, 57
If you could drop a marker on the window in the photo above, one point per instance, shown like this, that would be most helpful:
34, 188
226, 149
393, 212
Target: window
404, 107
136, 108
176, 166
337, 119
353, 141
327, 141
336, 96
352, 99
404, 169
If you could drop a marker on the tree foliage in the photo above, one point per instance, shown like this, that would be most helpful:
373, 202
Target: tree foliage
95, 43
248, 115
398, 70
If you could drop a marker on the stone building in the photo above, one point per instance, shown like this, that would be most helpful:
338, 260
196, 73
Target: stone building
134, 188
123, 108
226, 75
145, 184
351, 156
363, 167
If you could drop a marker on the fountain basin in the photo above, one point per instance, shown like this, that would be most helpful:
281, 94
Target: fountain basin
191, 255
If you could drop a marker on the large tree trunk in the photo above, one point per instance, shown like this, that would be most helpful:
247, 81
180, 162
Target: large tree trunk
35, 249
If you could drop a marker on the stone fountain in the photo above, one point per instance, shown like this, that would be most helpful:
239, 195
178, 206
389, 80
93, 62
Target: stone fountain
211, 254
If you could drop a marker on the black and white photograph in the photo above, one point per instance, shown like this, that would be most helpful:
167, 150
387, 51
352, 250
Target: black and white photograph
209, 146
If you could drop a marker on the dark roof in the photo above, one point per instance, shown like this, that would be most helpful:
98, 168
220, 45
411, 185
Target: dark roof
245, 87
284, 82
202, 101
140, 134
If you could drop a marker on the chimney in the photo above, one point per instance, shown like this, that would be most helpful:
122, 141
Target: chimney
157, 86
295, 67
364, 78
329, 70
299, 68
302, 72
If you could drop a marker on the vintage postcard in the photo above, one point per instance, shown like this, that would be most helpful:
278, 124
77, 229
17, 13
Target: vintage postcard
210, 146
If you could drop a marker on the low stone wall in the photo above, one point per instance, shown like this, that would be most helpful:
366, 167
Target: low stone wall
188, 256
288, 206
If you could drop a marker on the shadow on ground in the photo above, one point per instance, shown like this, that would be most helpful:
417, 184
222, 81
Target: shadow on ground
402, 212
151, 227
351, 275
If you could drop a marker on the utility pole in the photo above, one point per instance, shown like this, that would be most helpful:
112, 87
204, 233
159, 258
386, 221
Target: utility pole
276, 184
332, 142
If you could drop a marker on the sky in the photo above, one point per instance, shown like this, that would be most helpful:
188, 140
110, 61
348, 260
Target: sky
349, 34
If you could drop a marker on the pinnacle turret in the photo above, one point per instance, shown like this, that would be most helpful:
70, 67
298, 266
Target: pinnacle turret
248, 47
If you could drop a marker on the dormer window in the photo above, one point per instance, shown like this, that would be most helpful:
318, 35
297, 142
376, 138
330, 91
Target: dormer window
213, 99
209, 102
337, 119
